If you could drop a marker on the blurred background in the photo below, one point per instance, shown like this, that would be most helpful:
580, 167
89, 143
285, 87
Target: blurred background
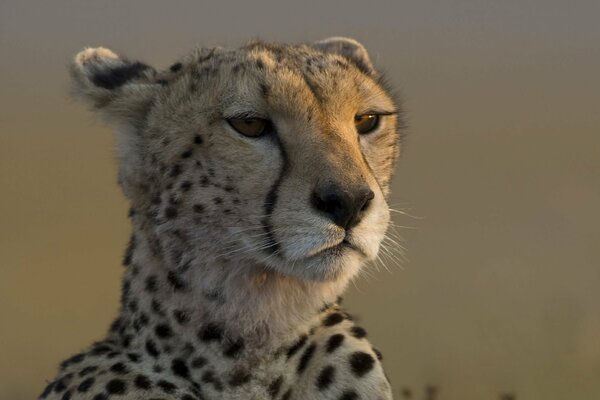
500, 175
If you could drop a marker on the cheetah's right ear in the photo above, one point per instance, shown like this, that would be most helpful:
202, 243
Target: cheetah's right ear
119, 89
350, 49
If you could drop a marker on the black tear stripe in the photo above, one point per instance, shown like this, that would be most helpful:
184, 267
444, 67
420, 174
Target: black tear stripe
118, 76
271, 199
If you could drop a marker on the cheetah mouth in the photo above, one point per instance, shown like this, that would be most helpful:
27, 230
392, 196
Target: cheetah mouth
337, 249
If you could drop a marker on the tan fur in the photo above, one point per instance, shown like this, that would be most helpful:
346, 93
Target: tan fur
199, 191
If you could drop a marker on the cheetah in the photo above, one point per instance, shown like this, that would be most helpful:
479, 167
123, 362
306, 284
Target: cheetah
258, 180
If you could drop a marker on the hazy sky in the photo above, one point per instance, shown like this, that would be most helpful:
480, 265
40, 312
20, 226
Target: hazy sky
500, 172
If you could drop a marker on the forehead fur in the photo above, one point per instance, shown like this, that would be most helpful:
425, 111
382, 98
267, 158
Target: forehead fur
295, 79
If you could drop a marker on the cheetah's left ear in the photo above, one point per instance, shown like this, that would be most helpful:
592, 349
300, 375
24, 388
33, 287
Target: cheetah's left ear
121, 90
349, 48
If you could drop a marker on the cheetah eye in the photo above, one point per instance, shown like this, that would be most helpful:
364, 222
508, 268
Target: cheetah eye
251, 127
366, 123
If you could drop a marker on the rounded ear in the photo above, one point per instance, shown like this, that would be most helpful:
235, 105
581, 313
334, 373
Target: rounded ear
122, 92
116, 87
350, 49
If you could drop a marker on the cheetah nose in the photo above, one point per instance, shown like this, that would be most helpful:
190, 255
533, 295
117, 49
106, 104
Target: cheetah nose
344, 207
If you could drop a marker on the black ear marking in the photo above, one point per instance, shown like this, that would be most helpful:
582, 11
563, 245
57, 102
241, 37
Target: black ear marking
112, 78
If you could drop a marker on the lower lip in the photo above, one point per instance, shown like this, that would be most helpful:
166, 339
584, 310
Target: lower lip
349, 245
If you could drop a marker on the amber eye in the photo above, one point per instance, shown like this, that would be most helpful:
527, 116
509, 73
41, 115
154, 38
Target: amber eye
252, 127
366, 123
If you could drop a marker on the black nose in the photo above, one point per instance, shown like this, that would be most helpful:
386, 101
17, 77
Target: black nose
344, 207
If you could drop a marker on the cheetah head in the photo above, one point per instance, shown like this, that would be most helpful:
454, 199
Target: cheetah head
268, 156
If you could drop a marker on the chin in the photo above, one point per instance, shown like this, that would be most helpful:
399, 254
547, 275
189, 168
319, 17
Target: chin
330, 265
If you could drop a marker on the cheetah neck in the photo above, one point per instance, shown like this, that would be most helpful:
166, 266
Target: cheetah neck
249, 301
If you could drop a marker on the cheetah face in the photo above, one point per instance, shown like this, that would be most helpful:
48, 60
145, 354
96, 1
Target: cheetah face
268, 155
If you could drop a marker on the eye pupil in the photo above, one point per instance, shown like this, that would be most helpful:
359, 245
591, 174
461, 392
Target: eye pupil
251, 127
366, 123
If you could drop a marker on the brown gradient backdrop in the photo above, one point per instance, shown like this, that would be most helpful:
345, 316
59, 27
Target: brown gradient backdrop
502, 166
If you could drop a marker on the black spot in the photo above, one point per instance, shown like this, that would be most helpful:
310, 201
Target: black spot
234, 349
118, 76
358, 332
198, 362
116, 324
162, 82
134, 357
186, 154
47, 390
204, 181
361, 363
297, 346
287, 395
181, 316
176, 170
187, 397
306, 356
209, 377
325, 377
126, 341
218, 200
175, 67
179, 368
88, 370
85, 385
198, 208
77, 358
116, 386
100, 396
175, 281
66, 395
170, 212
59, 386
151, 284
151, 348
260, 64
166, 386
140, 322
275, 387
238, 378
210, 332
333, 319
119, 368
163, 331
156, 307
186, 186
198, 139
132, 305
349, 395
100, 349
334, 342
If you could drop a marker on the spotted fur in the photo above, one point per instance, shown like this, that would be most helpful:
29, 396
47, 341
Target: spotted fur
232, 272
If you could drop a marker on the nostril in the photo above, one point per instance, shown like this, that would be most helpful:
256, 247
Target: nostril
329, 203
369, 196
